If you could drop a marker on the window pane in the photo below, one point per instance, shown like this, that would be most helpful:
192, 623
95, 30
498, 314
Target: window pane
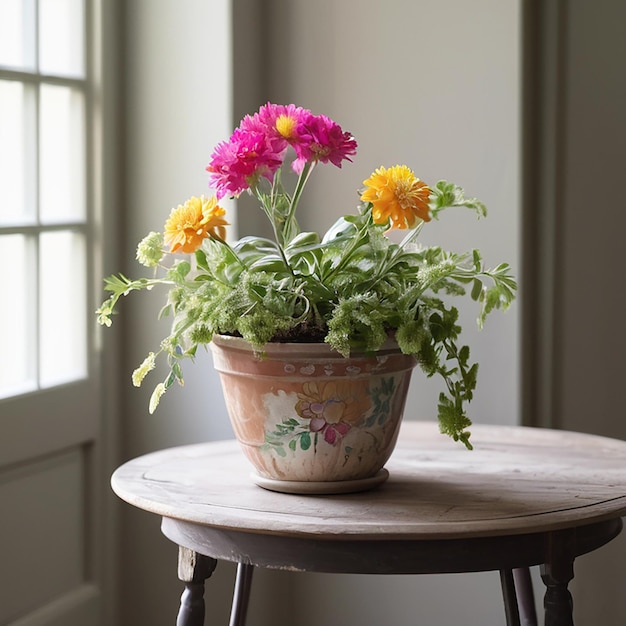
62, 297
11, 151
17, 316
17, 140
62, 154
17, 33
61, 48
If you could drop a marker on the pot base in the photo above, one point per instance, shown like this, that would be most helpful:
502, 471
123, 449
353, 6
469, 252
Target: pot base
321, 488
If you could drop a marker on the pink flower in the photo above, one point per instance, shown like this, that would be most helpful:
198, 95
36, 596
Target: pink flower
331, 432
239, 163
257, 148
321, 139
280, 122
313, 137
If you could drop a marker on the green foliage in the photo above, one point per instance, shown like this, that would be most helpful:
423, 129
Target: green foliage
446, 195
352, 288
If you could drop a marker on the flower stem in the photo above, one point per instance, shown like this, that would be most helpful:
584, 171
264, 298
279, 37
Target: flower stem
411, 235
270, 211
302, 181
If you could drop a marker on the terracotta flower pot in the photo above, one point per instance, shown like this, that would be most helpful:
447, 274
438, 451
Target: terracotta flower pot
310, 420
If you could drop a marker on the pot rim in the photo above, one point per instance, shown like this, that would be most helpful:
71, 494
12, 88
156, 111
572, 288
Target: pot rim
292, 349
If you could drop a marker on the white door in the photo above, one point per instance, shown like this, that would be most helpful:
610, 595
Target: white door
50, 452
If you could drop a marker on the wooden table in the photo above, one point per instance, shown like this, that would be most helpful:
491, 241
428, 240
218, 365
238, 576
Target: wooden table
523, 497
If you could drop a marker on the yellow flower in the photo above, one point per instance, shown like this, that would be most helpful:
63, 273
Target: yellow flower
398, 197
190, 223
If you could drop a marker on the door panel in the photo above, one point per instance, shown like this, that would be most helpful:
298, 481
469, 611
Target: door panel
47, 421
43, 534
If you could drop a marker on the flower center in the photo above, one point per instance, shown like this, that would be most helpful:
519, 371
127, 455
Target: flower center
286, 126
319, 151
404, 194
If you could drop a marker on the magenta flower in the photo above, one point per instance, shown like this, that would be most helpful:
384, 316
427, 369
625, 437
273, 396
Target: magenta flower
321, 139
239, 163
313, 137
257, 148
280, 122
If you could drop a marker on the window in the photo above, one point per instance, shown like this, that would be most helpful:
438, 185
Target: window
44, 189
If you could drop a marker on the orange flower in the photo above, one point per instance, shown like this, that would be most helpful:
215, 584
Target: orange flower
190, 223
398, 197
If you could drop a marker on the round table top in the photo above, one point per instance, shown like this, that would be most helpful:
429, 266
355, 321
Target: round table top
516, 481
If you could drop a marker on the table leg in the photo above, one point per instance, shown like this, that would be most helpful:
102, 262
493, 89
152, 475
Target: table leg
510, 597
519, 601
243, 585
556, 573
525, 596
193, 570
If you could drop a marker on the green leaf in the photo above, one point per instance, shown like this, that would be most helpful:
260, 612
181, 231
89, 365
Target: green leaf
477, 289
342, 230
464, 354
165, 311
269, 264
445, 195
177, 371
303, 241
170, 380
436, 326
201, 260
183, 268
305, 441
254, 247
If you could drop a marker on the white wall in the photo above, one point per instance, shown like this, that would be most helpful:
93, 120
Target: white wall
433, 84
177, 105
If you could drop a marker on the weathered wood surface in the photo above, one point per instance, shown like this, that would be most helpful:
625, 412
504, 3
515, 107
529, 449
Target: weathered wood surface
516, 481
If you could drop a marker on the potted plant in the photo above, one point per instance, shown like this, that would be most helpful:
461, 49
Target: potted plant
342, 317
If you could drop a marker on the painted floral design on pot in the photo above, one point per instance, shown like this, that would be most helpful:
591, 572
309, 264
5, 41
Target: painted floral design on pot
303, 412
333, 407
